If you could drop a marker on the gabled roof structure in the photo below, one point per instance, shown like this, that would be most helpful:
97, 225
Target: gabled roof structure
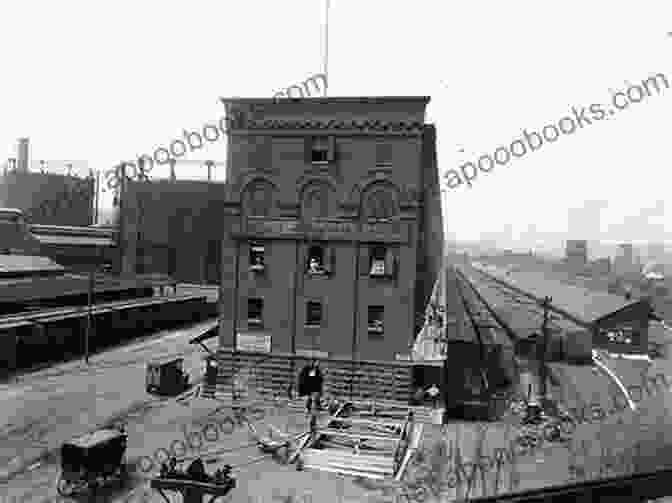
583, 306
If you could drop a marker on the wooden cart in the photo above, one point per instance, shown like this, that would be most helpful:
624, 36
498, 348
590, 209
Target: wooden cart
167, 377
91, 461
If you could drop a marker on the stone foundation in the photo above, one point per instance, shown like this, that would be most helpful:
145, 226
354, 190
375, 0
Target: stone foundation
345, 379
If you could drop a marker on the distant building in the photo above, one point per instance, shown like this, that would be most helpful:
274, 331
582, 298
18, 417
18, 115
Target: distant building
49, 198
23, 152
576, 253
655, 252
624, 263
601, 266
654, 271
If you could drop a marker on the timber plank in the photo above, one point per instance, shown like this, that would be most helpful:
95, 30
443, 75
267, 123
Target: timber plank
385, 466
348, 472
339, 454
357, 435
386, 472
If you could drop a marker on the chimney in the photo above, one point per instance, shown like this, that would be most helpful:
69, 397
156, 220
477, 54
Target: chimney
22, 155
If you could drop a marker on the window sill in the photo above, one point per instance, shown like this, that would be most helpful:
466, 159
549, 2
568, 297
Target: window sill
255, 324
318, 274
312, 326
376, 331
320, 163
381, 276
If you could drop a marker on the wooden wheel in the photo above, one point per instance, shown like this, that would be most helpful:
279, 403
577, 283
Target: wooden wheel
63, 487
66, 488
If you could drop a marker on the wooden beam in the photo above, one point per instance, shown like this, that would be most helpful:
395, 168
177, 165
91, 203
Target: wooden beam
413, 444
350, 445
355, 420
344, 465
356, 436
344, 455
307, 441
350, 472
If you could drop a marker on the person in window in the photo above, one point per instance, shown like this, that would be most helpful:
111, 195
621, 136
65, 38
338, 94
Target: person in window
314, 266
258, 265
377, 325
377, 267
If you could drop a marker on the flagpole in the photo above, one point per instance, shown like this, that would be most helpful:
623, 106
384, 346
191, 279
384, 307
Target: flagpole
326, 50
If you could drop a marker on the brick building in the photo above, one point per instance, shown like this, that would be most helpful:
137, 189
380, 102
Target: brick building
172, 227
49, 198
333, 231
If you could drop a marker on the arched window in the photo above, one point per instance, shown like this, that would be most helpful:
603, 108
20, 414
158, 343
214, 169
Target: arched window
379, 205
317, 202
258, 199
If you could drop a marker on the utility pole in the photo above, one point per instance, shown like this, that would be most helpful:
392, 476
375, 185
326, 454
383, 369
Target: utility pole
209, 165
173, 175
326, 50
120, 197
89, 318
546, 304
93, 182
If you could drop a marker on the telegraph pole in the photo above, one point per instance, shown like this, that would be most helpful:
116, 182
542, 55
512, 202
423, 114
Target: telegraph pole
546, 304
173, 175
326, 50
92, 283
209, 165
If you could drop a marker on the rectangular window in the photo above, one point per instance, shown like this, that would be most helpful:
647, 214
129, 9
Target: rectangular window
255, 312
382, 262
383, 154
376, 325
320, 151
257, 258
313, 313
316, 265
321, 260
377, 266
473, 381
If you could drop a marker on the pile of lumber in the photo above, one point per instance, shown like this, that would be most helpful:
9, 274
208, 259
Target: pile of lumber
359, 447
347, 463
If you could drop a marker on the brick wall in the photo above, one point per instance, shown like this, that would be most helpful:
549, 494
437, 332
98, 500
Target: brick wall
174, 228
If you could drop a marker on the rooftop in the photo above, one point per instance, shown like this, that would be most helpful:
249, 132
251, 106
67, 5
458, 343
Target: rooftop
369, 100
522, 315
26, 264
580, 303
90, 439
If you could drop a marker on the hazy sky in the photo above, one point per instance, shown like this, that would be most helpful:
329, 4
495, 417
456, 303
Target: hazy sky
109, 81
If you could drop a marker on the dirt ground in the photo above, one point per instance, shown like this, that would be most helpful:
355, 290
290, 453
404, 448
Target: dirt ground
43, 410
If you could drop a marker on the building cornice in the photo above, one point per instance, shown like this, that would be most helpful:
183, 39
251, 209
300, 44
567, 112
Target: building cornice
364, 100
330, 126
322, 132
